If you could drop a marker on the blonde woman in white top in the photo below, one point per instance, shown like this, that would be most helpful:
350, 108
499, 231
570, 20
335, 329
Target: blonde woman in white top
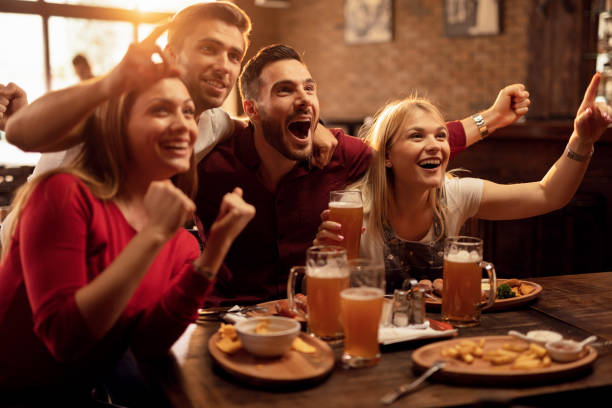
412, 203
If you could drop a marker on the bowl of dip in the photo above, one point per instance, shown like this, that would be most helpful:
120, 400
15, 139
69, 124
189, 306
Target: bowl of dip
269, 336
564, 351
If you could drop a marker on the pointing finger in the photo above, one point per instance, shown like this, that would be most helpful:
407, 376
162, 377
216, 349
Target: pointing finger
591, 92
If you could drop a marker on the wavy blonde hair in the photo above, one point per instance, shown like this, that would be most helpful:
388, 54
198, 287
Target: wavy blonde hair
378, 183
104, 160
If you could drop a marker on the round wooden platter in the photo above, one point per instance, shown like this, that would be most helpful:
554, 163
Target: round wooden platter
292, 367
500, 304
482, 372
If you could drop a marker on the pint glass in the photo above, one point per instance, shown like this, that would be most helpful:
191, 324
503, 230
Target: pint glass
346, 208
361, 306
462, 276
327, 274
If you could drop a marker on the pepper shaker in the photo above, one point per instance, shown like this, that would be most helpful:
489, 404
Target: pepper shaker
417, 303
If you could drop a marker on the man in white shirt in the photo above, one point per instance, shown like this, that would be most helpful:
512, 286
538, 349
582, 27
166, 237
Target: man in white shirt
206, 43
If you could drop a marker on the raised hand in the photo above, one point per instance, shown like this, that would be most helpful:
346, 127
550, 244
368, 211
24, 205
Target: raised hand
234, 215
137, 67
168, 208
12, 98
511, 103
591, 120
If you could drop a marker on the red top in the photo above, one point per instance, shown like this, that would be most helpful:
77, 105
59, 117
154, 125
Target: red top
286, 221
65, 238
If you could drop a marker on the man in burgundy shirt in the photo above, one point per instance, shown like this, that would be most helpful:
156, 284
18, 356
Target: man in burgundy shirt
269, 160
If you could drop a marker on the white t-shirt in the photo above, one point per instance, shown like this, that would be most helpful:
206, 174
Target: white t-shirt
214, 125
463, 196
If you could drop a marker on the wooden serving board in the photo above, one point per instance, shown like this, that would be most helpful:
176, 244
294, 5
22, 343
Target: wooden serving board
500, 304
292, 367
483, 372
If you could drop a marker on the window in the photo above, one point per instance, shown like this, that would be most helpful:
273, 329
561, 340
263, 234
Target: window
103, 43
40, 38
23, 60
101, 30
164, 6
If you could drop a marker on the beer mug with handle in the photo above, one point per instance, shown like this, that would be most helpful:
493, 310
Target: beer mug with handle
326, 273
462, 281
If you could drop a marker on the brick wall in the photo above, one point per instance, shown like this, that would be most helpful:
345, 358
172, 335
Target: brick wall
461, 75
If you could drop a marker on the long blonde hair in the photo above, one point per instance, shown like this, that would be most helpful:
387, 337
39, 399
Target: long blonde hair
104, 160
378, 183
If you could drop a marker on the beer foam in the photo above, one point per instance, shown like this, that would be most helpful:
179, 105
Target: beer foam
362, 293
327, 271
344, 204
463, 256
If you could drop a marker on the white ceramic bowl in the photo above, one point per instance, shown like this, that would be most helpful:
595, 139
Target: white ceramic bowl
283, 331
564, 351
543, 336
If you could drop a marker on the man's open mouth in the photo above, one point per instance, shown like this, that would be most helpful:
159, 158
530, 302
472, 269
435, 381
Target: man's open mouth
300, 128
430, 163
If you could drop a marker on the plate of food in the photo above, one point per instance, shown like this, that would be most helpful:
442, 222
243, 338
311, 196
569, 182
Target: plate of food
511, 293
309, 360
281, 308
497, 360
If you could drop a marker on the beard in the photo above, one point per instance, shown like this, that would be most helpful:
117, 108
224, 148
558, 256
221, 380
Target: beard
274, 135
199, 95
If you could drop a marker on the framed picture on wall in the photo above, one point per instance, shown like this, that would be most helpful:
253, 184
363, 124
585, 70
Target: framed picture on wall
368, 21
467, 18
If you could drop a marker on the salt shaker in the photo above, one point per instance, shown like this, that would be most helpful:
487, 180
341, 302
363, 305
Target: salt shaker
400, 313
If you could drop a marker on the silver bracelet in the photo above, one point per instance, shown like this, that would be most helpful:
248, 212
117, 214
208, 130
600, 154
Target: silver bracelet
481, 125
572, 155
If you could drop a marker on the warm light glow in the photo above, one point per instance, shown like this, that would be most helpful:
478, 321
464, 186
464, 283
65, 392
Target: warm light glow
103, 42
165, 5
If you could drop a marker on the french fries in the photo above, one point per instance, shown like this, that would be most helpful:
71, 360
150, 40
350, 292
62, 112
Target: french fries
520, 356
263, 327
466, 350
228, 340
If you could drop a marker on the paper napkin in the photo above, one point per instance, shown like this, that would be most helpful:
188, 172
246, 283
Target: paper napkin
392, 334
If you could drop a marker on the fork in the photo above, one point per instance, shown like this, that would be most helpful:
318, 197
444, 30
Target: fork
402, 390
213, 312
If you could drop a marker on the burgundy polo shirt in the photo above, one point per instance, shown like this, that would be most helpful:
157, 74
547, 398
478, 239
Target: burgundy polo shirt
286, 221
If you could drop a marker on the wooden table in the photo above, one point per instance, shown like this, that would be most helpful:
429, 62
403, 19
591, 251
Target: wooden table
574, 305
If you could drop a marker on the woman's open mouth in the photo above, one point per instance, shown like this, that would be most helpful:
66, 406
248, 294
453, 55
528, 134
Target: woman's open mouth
430, 164
177, 148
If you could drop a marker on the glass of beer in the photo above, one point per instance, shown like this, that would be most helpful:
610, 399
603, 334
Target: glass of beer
326, 273
462, 276
346, 208
361, 306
